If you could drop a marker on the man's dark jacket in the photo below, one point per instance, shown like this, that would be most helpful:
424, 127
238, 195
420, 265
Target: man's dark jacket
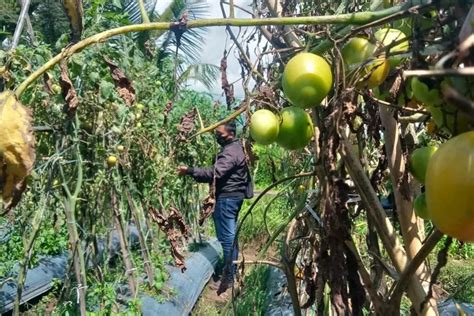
231, 171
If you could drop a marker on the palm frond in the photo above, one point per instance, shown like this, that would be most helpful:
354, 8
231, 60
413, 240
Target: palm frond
206, 74
192, 40
132, 8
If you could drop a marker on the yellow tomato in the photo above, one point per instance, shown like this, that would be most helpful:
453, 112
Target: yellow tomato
450, 186
375, 72
111, 161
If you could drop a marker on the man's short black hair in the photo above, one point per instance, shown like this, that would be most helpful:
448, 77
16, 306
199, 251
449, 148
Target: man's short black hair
231, 127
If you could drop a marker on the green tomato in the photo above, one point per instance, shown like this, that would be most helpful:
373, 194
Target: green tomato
421, 210
307, 80
296, 128
56, 88
419, 160
264, 127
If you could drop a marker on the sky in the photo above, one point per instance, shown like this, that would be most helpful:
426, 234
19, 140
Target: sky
215, 44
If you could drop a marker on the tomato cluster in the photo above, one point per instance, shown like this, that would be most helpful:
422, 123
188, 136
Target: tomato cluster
292, 128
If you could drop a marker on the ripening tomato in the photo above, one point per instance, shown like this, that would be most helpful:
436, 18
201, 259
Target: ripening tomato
307, 80
387, 36
357, 54
375, 73
357, 50
111, 161
450, 186
296, 128
264, 127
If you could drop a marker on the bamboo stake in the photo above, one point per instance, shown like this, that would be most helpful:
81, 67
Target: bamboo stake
406, 215
232, 116
383, 225
28, 251
69, 202
359, 18
130, 270
137, 214
25, 5
231, 9
410, 270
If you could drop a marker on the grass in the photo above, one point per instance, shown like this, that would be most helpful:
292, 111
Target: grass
457, 279
253, 298
255, 227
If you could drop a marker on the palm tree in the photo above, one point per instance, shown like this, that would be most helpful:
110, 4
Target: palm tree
187, 66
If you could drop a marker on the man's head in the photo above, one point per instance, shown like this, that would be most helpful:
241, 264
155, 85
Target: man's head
225, 133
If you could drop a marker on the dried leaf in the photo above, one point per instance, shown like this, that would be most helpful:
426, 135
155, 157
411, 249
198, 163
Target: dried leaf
68, 91
179, 28
48, 83
74, 12
168, 108
17, 152
250, 156
228, 88
187, 124
207, 207
174, 227
123, 85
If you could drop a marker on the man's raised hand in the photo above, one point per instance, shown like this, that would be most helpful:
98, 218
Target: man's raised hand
182, 170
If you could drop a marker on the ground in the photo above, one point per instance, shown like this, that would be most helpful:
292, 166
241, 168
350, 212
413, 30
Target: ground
210, 303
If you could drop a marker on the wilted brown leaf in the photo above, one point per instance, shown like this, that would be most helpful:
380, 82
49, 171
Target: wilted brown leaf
228, 88
207, 208
17, 152
123, 85
48, 83
187, 124
174, 227
168, 108
75, 13
68, 91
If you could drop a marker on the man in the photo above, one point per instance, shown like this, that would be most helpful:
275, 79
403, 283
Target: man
233, 184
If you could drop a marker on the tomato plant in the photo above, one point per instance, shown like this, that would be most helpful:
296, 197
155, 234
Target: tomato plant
114, 115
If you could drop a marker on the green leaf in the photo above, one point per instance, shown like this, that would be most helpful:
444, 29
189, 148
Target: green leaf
106, 90
422, 93
94, 76
117, 3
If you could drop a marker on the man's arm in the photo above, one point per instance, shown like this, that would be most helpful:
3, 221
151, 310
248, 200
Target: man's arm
224, 164
202, 175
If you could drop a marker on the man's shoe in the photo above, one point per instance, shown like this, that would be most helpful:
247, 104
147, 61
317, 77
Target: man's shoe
214, 285
224, 286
